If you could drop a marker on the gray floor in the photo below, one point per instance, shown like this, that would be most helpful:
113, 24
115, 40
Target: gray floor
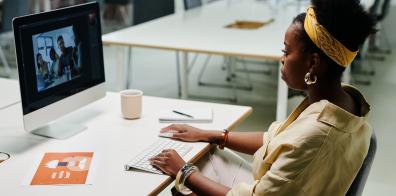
154, 72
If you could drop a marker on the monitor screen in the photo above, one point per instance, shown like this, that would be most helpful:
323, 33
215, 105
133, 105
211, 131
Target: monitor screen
57, 57
59, 54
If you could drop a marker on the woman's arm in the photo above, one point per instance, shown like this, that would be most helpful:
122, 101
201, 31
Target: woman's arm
170, 162
201, 185
246, 142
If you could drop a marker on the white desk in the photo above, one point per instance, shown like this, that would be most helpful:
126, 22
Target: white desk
113, 140
202, 30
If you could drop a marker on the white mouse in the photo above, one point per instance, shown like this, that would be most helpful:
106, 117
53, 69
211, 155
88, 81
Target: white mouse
166, 134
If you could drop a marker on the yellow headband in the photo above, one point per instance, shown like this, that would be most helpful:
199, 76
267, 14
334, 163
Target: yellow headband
326, 42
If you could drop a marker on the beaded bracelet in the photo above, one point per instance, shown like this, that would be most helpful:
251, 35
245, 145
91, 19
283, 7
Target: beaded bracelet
225, 139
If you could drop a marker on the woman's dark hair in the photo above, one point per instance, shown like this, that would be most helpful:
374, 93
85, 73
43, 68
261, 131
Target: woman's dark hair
60, 37
52, 53
345, 20
37, 58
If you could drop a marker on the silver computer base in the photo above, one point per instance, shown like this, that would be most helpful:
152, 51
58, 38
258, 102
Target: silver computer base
59, 130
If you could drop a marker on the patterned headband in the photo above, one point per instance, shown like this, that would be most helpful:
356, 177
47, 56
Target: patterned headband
326, 42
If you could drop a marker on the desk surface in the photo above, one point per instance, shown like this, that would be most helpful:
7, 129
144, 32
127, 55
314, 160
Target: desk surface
113, 139
10, 92
203, 30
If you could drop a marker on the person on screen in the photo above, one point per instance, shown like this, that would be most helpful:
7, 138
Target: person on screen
42, 67
55, 71
66, 61
77, 55
321, 146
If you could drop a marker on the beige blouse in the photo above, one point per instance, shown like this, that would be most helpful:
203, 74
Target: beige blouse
318, 150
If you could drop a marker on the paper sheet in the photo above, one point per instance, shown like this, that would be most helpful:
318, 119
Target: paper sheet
63, 168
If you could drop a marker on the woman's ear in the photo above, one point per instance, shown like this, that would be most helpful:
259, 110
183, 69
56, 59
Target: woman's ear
314, 63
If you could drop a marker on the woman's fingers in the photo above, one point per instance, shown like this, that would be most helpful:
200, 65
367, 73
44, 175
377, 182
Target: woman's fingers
171, 127
164, 153
161, 161
168, 161
175, 127
158, 163
167, 128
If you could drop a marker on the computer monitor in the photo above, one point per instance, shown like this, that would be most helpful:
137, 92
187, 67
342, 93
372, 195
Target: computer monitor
60, 66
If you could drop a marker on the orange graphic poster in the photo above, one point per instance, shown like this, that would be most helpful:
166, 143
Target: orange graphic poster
63, 168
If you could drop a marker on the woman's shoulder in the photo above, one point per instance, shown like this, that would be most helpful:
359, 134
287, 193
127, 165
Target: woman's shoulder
307, 125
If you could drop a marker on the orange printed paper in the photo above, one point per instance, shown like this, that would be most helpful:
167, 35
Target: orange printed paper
63, 168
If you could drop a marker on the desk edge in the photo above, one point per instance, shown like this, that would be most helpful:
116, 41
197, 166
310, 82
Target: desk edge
264, 57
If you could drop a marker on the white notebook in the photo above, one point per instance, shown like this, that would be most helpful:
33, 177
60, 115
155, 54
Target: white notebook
185, 115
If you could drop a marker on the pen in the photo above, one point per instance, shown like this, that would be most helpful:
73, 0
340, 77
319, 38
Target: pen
181, 113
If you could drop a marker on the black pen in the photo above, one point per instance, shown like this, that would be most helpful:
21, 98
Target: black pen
181, 113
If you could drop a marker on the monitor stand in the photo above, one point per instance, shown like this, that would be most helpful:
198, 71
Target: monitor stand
59, 130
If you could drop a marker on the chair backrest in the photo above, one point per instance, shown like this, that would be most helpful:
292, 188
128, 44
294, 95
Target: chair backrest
358, 183
11, 9
189, 4
374, 7
384, 10
146, 10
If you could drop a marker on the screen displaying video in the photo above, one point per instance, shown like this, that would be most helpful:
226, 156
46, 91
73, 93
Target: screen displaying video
58, 58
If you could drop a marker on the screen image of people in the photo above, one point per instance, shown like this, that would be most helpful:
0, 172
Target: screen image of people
57, 56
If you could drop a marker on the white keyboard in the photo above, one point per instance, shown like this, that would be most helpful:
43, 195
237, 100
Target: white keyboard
142, 162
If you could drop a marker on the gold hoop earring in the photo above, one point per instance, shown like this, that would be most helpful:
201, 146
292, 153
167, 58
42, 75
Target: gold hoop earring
308, 80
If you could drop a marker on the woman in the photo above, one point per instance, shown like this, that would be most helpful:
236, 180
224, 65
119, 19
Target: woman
42, 67
55, 63
320, 148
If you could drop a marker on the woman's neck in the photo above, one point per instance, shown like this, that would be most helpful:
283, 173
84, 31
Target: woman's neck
331, 91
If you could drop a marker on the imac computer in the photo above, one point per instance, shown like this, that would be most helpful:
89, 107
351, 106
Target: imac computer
60, 66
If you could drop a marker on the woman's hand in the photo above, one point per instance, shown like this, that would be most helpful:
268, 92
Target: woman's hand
168, 161
185, 133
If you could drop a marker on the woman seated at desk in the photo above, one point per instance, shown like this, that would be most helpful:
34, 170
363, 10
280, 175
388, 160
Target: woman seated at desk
321, 146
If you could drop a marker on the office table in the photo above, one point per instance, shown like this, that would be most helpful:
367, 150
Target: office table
202, 30
113, 140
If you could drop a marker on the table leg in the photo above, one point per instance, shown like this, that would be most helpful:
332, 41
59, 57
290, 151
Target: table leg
123, 72
47, 5
346, 77
178, 73
233, 61
129, 68
184, 76
38, 3
36, 6
5, 63
281, 104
